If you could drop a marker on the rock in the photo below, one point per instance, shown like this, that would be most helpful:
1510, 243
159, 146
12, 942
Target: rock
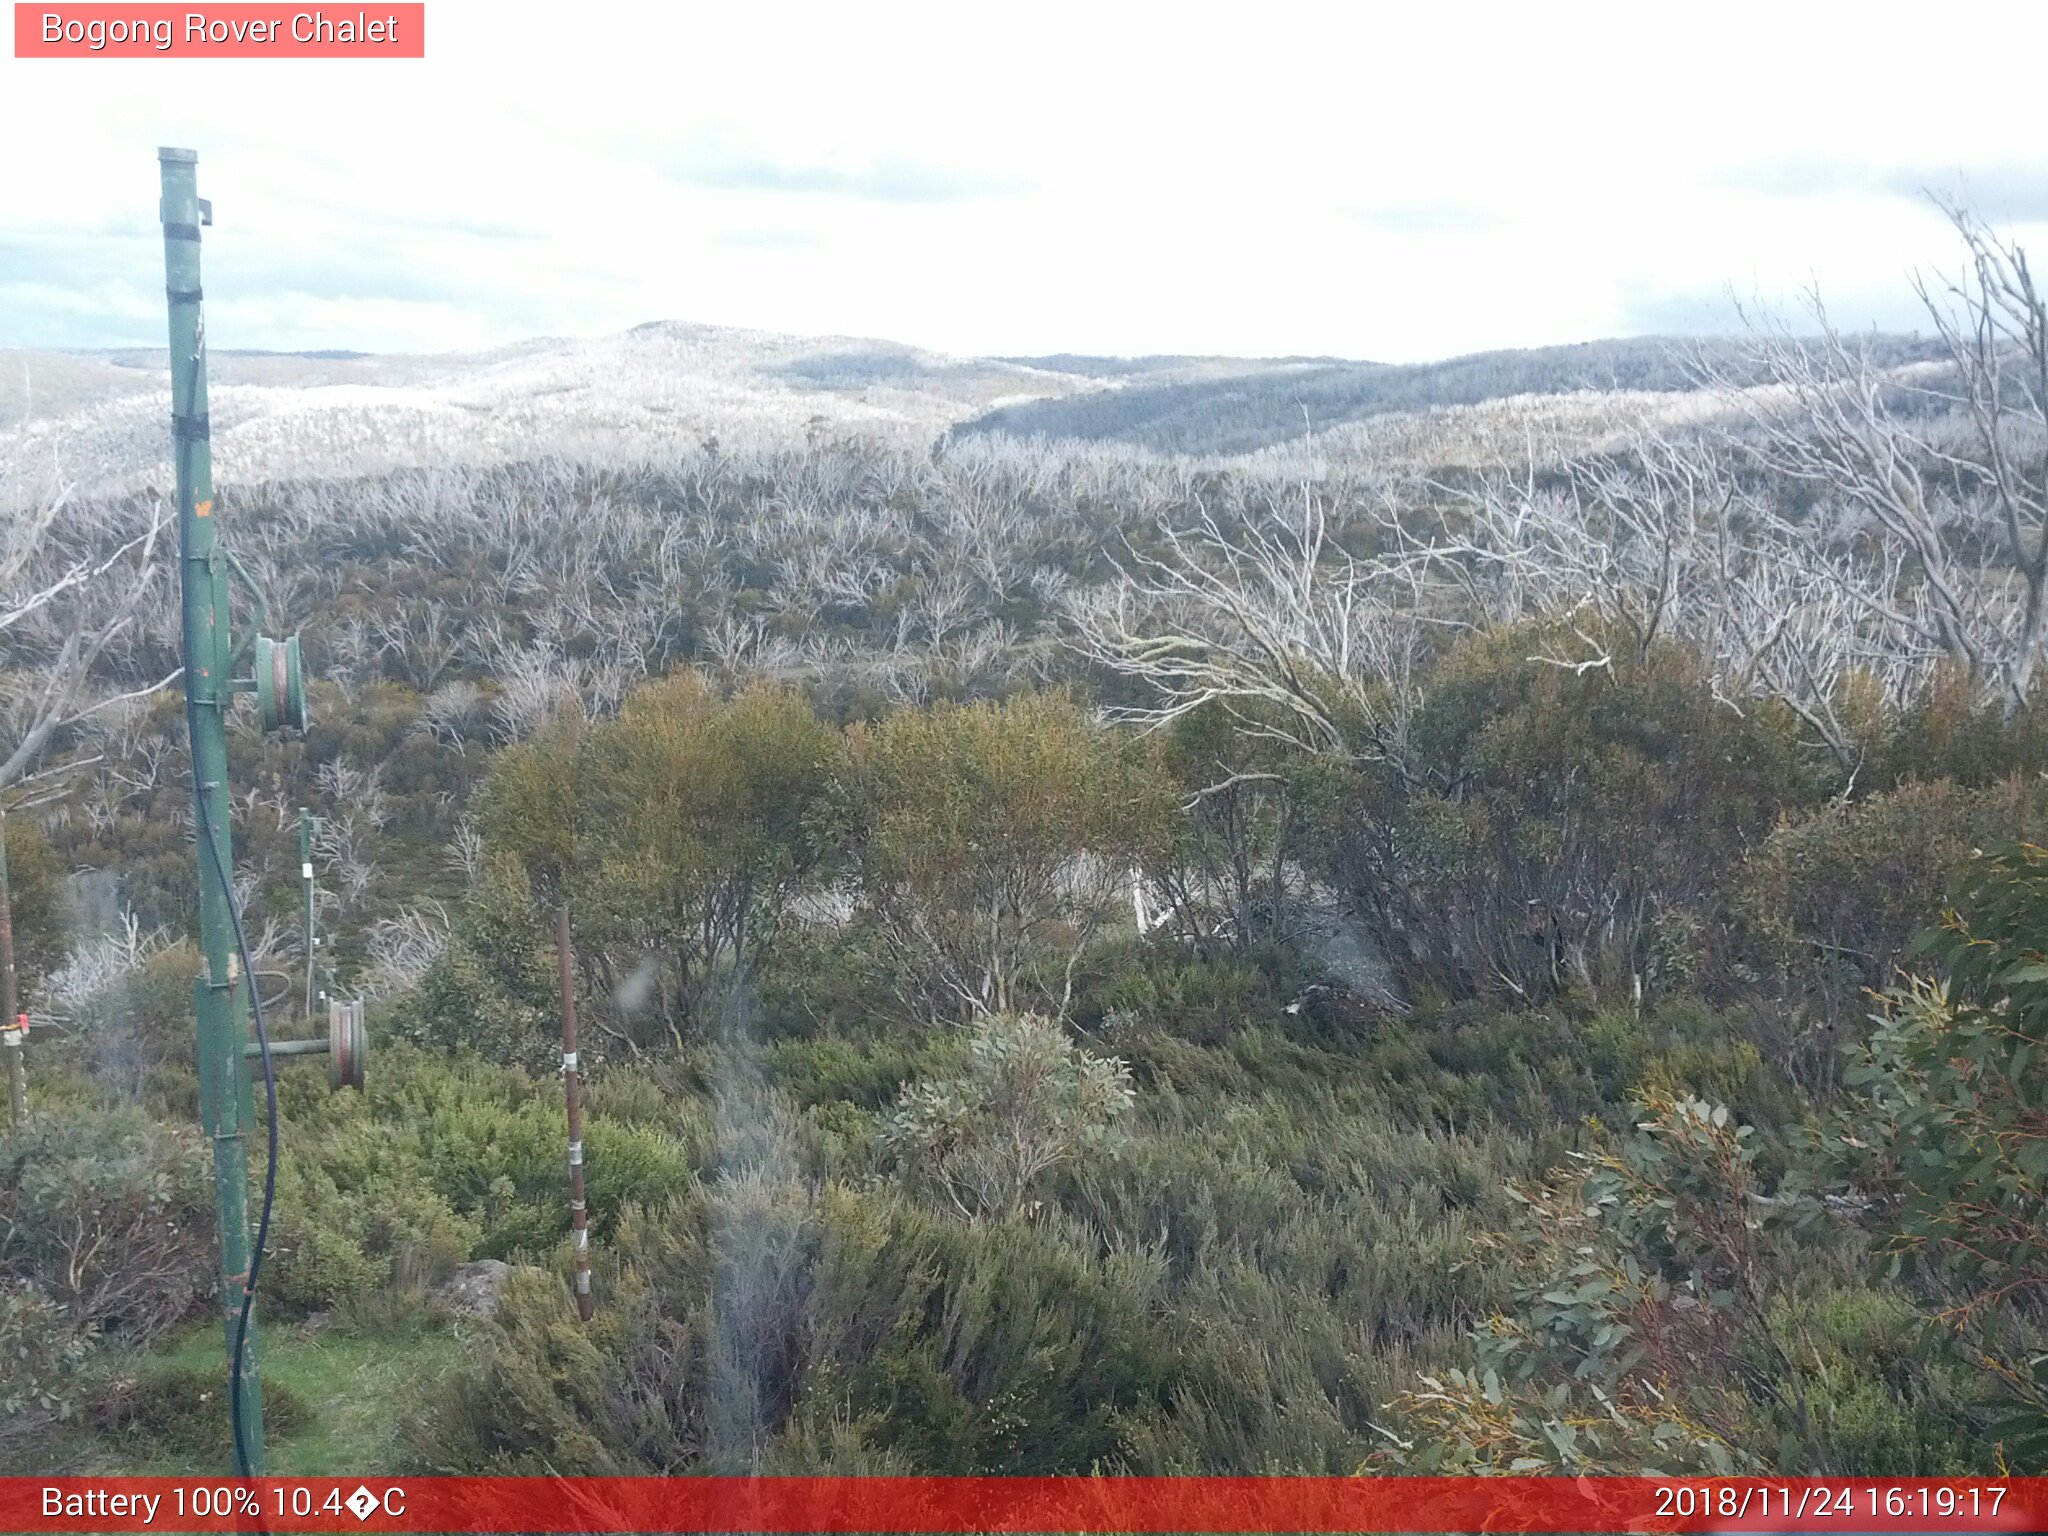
95, 899
1347, 953
475, 1288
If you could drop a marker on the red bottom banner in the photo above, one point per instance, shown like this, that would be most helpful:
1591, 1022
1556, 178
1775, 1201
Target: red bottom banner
1023, 1504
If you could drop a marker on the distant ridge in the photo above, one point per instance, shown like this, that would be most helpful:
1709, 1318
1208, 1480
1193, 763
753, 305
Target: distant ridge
146, 355
1104, 367
1240, 407
669, 385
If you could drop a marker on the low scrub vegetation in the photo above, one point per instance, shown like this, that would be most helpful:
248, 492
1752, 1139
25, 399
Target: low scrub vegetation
1465, 1124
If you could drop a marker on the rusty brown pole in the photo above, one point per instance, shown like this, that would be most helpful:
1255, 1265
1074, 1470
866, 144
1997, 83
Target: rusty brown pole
13, 1023
572, 1089
12, 1035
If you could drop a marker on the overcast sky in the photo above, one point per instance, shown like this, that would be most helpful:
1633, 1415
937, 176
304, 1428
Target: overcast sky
1358, 180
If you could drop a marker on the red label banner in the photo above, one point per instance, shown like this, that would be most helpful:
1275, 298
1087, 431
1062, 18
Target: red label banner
224, 31
774, 1505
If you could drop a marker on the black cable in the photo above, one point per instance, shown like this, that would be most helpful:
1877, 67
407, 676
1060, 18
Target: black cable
270, 1157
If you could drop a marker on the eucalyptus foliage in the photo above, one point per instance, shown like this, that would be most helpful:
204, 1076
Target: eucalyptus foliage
1026, 1101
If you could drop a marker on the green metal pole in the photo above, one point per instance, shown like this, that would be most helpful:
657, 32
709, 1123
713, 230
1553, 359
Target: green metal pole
225, 1109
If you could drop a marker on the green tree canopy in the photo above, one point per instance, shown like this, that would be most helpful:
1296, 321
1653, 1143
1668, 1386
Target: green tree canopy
997, 840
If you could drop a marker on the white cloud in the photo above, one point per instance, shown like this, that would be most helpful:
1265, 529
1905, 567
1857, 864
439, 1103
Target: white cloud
1364, 181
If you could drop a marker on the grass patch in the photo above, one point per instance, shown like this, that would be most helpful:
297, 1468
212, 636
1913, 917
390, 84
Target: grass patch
342, 1393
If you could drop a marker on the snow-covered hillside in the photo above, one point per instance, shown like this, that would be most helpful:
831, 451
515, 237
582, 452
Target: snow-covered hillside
100, 420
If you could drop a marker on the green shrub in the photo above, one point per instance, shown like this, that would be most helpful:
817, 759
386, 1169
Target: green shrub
741, 1328
995, 845
1942, 1137
1838, 895
359, 1226
47, 1356
442, 1159
868, 1073
1026, 1101
506, 1169
678, 832
1953, 731
1638, 1276
1202, 1001
109, 1215
1885, 1395
133, 1031
35, 885
492, 990
634, 1093
1557, 821
1689, 1047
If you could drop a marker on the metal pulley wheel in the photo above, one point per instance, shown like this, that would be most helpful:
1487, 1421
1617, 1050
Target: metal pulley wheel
348, 1047
280, 684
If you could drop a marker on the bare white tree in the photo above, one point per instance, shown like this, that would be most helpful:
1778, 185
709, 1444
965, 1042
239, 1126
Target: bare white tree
1663, 540
533, 682
1270, 620
450, 712
402, 948
1929, 482
465, 851
72, 584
